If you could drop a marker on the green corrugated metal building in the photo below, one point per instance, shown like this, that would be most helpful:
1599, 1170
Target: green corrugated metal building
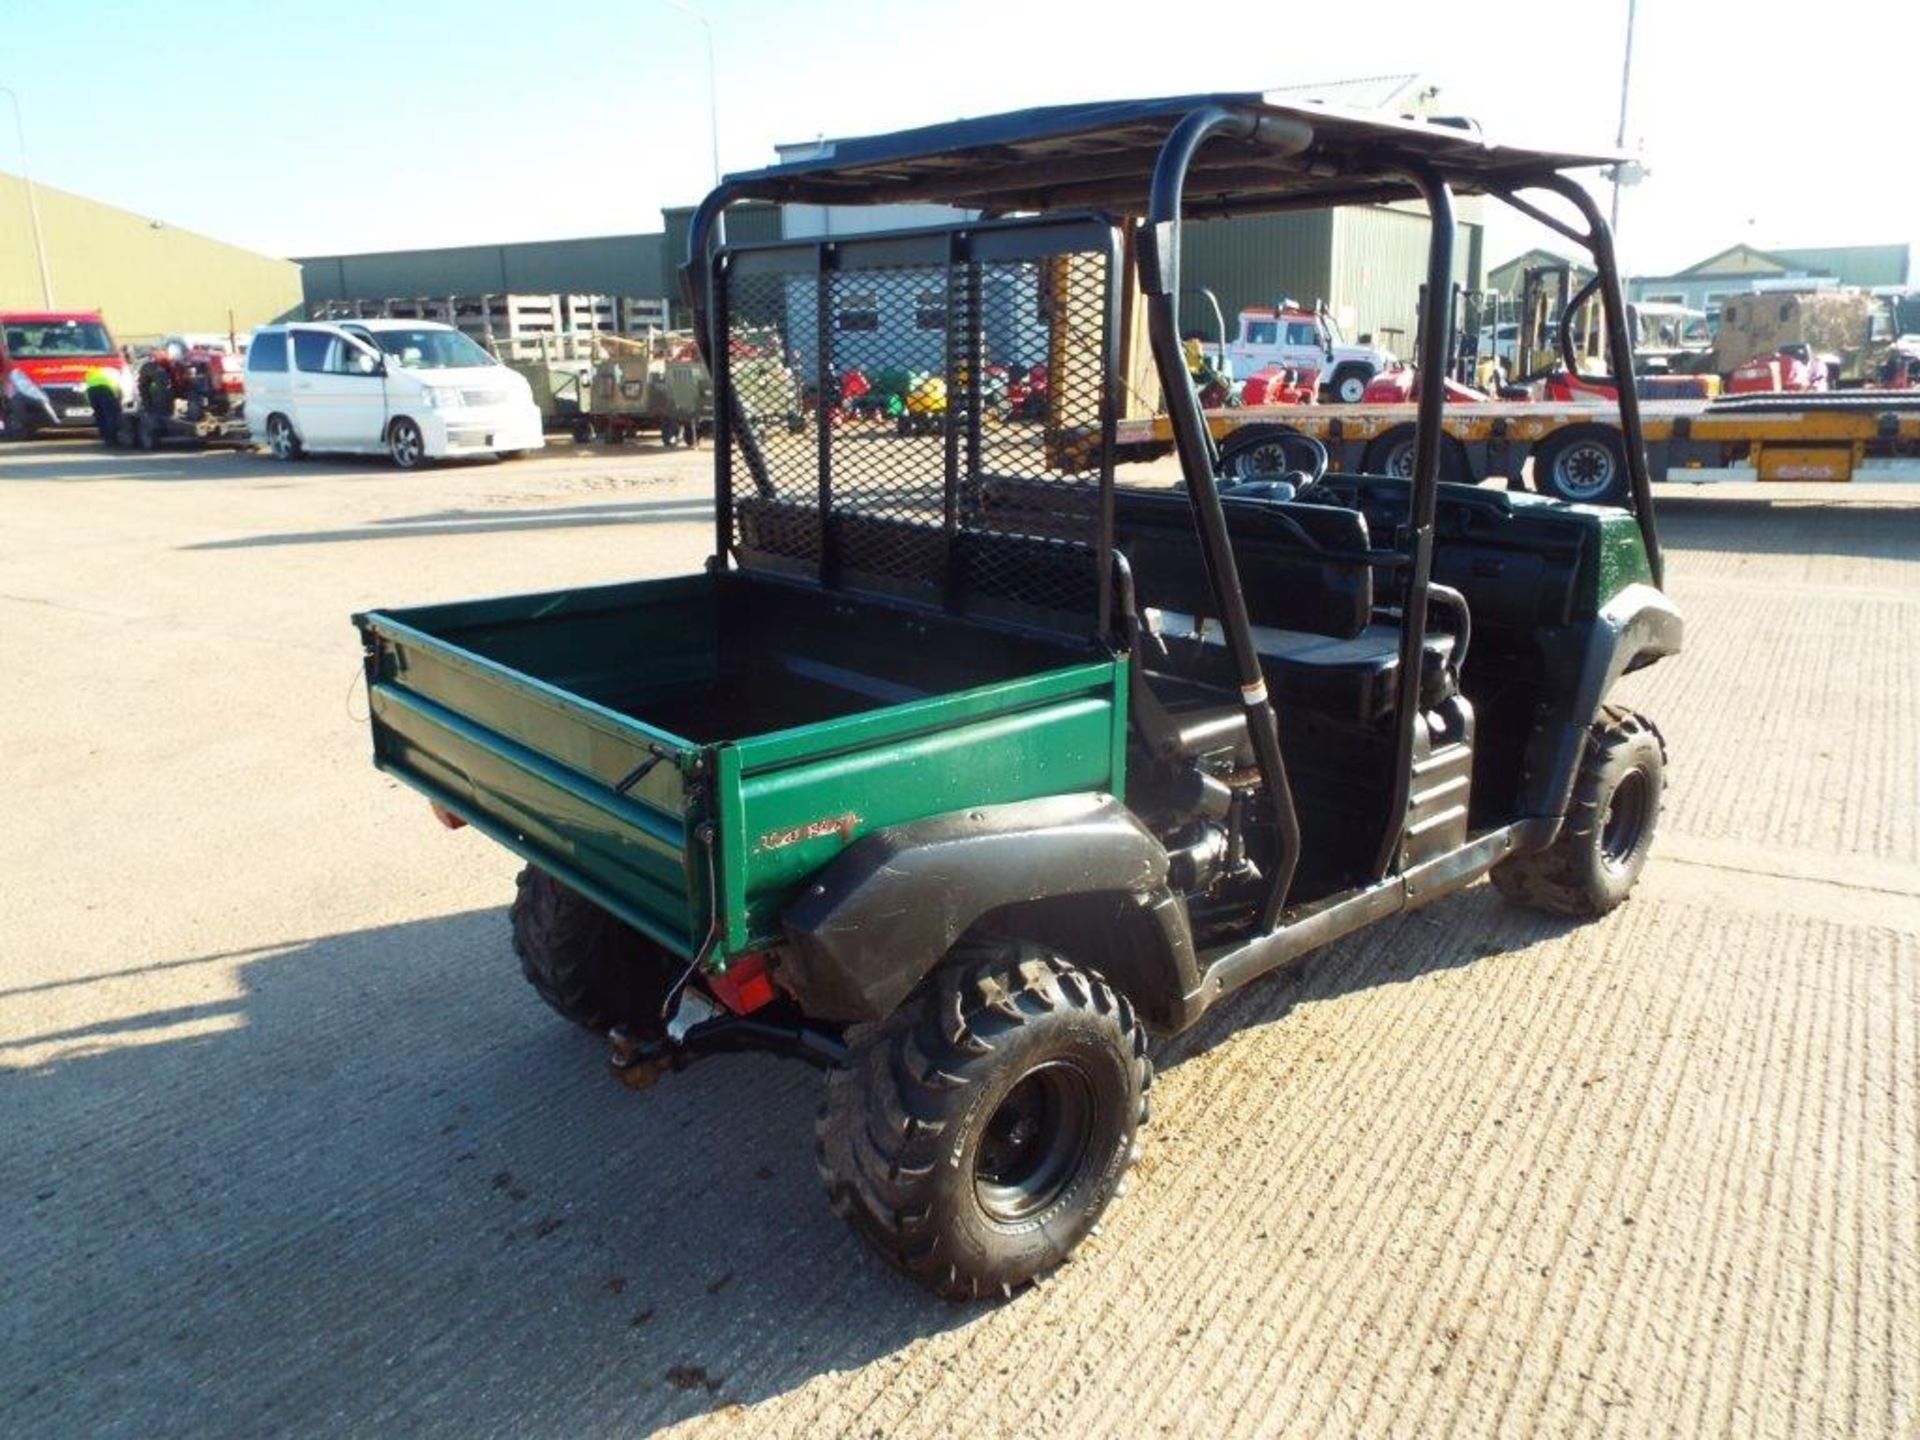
1365, 262
646, 264
147, 277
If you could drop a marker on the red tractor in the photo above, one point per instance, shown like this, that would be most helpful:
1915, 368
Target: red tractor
1790, 369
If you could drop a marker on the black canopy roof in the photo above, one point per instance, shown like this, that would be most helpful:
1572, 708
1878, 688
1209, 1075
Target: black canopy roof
1102, 154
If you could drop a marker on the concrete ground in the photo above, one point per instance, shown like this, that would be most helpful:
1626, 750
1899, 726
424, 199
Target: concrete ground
286, 1147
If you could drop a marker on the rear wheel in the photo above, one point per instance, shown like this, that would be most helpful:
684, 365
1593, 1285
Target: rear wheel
281, 440
1609, 829
592, 968
976, 1137
406, 446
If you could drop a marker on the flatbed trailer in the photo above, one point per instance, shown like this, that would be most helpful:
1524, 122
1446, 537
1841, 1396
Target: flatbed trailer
1784, 437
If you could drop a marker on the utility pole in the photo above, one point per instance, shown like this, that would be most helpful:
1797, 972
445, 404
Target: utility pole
1620, 135
33, 204
713, 86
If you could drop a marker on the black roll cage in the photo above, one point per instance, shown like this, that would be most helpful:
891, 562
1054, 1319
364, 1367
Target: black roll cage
1383, 159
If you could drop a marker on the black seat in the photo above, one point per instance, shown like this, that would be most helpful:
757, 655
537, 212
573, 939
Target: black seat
1307, 571
1353, 678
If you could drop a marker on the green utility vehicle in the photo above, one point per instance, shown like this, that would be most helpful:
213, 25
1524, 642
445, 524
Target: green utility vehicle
962, 771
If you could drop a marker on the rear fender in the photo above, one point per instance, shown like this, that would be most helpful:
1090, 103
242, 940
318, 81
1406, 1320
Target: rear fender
1633, 629
880, 916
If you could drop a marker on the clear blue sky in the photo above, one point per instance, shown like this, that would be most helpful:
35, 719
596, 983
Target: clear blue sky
311, 128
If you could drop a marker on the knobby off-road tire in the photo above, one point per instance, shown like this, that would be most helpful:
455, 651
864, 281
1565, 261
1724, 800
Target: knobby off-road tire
594, 969
975, 1138
1602, 847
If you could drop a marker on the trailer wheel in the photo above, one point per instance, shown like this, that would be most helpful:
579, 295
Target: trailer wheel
976, 1137
1272, 452
1602, 847
281, 440
1392, 454
1585, 464
591, 967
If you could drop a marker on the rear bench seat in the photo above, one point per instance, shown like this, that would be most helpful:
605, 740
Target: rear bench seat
1307, 573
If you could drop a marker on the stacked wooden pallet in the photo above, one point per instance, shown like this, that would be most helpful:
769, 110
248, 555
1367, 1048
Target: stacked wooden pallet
509, 319
641, 313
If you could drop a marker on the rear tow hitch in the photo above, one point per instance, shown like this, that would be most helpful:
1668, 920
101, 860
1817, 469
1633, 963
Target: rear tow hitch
641, 1057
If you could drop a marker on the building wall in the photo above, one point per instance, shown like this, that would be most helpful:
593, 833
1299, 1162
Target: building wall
604, 265
1509, 277
748, 224
1380, 263
147, 277
1253, 260
1863, 265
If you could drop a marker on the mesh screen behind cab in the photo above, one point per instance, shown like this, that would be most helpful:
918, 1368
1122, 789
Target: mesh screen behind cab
927, 416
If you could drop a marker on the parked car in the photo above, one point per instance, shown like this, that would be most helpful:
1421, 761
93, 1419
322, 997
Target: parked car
45, 356
412, 389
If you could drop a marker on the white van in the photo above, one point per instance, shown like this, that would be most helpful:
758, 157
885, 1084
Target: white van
411, 388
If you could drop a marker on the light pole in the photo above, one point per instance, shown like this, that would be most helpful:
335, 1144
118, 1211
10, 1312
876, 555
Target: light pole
33, 205
713, 87
1620, 135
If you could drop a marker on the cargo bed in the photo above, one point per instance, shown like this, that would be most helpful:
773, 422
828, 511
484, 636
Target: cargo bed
686, 751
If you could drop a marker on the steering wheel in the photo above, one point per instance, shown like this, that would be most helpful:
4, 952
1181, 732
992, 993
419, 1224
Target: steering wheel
1271, 462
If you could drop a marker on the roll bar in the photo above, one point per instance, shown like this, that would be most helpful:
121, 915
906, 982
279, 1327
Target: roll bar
1597, 240
1159, 271
1159, 261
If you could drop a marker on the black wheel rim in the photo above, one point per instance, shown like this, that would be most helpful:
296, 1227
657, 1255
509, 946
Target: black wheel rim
1034, 1143
1626, 819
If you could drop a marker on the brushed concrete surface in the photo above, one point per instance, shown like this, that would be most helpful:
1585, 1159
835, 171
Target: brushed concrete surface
286, 1147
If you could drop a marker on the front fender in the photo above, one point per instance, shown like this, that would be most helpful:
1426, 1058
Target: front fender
1636, 627
884, 911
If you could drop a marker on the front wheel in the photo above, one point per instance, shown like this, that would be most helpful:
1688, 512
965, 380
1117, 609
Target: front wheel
406, 446
975, 1138
1350, 386
1603, 844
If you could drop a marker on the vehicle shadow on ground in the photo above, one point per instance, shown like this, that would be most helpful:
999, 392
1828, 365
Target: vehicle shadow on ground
666, 511
1449, 934
381, 1189
1867, 529
74, 459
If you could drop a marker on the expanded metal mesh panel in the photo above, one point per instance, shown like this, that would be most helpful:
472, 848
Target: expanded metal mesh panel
927, 417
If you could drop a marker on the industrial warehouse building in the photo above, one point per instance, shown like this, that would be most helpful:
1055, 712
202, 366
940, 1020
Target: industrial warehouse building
1365, 262
147, 277
1743, 269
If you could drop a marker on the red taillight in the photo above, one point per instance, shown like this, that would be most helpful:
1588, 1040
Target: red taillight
445, 816
745, 984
